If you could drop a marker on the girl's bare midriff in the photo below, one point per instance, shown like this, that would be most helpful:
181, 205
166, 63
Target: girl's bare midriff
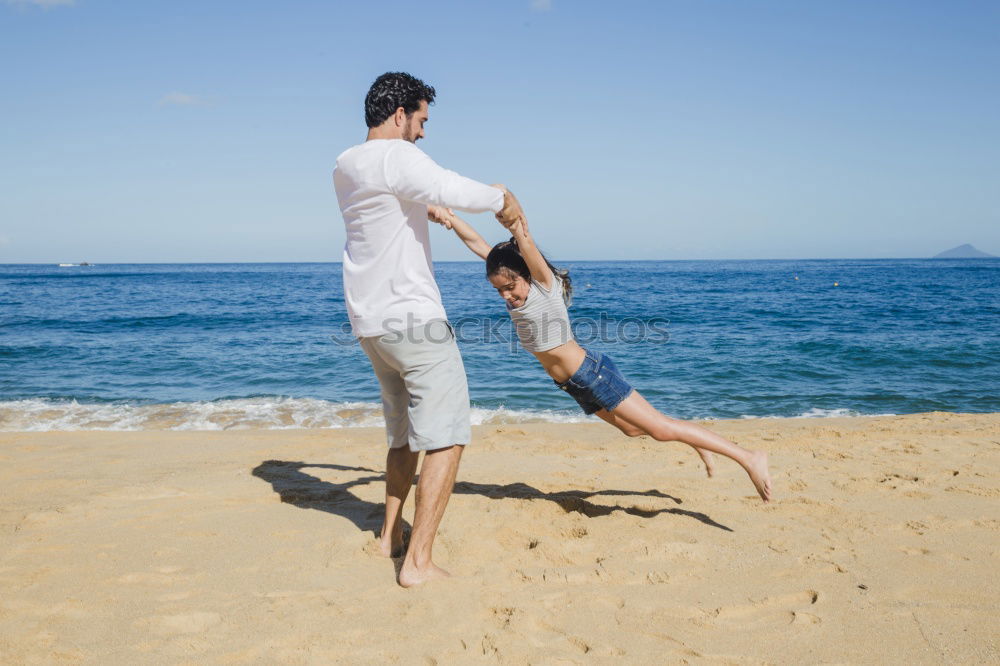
563, 361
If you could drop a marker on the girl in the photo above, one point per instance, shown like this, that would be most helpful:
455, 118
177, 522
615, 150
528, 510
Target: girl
537, 295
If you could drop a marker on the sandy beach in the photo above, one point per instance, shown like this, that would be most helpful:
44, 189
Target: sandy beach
569, 543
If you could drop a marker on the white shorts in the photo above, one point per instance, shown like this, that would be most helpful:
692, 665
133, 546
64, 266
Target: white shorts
425, 395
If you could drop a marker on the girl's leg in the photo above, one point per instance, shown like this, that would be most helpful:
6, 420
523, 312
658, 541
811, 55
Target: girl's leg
637, 412
635, 431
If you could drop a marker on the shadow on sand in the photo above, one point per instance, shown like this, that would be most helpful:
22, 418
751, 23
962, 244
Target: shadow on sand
309, 492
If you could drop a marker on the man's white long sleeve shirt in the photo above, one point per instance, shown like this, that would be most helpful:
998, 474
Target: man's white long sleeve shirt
384, 187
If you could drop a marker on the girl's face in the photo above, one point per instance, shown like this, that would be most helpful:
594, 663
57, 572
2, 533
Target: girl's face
512, 287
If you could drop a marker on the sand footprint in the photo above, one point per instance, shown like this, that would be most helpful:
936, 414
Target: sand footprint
780, 609
142, 493
800, 618
183, 623
915, 551
570, 575
162, 575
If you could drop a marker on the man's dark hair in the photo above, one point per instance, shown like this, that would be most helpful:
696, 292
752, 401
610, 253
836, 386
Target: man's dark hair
391, 91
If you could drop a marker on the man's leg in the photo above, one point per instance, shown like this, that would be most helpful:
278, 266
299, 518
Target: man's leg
400, 462
437, 413
400, 466
437, 479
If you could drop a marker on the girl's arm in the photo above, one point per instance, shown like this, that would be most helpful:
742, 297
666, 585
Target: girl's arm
469, 236
539, 268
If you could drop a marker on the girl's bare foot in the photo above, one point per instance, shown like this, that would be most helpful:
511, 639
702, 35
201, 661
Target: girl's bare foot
759, 473
411, 576
709, 459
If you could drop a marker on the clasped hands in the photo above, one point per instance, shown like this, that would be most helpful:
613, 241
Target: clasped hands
511, 213
511, 216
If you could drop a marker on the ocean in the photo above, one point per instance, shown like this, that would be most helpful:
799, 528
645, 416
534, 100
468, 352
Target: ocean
220, 346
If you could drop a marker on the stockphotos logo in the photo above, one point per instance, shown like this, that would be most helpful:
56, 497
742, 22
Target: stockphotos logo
603, 329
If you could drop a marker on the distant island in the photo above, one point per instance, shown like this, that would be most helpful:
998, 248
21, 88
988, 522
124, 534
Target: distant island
963, 252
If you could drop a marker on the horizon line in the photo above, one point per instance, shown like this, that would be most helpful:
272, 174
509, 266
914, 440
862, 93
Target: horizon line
477, 261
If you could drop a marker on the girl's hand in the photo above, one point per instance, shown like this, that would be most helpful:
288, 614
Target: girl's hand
519, 229
441, 215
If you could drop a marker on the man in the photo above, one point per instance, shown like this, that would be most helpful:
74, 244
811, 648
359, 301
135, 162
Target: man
384, 186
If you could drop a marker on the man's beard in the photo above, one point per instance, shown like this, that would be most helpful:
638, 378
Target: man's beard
408, 133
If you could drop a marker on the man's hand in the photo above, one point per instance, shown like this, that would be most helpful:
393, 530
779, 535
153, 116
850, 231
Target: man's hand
441, 215
511, 211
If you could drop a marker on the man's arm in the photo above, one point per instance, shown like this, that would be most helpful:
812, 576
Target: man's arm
413, 176
469, 236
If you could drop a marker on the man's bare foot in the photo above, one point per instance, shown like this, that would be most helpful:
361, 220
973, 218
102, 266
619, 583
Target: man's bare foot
709, 459
392, 546
411, 576
388, 549
759, 473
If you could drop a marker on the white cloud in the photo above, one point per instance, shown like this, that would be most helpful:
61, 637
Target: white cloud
541, 5
42, 3
181, 99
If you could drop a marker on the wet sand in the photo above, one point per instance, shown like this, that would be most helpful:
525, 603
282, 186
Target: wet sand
570, 544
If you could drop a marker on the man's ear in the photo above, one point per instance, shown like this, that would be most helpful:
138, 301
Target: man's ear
400, 116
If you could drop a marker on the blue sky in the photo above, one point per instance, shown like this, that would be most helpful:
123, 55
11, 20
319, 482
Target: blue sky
207, 131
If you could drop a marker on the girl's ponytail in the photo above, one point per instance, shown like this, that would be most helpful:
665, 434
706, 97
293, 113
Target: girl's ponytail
567, 283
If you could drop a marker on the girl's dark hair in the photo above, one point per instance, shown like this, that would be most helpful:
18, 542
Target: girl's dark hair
391, 91
506, 256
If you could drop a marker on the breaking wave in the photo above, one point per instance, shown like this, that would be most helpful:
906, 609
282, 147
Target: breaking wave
266, 413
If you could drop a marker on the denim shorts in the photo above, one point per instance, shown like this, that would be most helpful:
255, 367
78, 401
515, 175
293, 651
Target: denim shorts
597, 384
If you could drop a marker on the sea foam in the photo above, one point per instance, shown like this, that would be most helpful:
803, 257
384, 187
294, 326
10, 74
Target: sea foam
267, 413
263, 413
